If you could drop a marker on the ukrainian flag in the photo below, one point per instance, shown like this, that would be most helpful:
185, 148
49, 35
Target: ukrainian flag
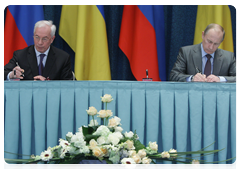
83, 28
219, 14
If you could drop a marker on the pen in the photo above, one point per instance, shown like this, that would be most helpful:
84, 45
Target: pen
14, 73
20, 67
198, 70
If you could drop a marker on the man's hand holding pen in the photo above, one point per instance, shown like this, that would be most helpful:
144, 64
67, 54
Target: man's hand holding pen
202, 77
17, 73
199, 77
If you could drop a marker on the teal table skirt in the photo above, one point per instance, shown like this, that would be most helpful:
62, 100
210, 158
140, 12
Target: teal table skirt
183, 116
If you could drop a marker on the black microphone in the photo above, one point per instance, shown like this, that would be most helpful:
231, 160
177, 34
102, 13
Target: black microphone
147, 79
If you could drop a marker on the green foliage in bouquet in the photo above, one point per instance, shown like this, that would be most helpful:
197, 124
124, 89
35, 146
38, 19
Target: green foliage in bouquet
107, 142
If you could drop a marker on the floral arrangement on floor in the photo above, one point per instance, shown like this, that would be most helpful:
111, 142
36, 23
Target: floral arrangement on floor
108, 142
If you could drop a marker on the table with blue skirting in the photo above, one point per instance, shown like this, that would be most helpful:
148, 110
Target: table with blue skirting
180, 115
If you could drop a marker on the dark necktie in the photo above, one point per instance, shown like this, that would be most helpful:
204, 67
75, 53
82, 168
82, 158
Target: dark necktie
40, 66
207, 70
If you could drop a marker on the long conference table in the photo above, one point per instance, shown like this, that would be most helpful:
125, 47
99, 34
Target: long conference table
183, 116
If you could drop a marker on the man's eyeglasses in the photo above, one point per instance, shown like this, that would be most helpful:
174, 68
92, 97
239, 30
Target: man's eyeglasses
44, 39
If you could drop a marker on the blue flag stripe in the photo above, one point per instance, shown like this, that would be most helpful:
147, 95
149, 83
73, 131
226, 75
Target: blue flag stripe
25, 17
155, 15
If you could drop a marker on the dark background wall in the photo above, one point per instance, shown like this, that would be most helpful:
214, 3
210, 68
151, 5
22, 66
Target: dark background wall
179, 31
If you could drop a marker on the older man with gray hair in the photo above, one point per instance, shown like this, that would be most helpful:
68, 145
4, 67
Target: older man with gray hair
40, 61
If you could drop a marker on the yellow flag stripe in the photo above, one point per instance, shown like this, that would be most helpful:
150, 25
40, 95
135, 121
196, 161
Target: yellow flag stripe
84, 29
219, 14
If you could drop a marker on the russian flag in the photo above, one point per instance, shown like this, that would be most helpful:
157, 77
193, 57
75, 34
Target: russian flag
18, 29
142, 40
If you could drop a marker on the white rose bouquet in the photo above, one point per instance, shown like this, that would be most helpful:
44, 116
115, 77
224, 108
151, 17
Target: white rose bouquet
107, 142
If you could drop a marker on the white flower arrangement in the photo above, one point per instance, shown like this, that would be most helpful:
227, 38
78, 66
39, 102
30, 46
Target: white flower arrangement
107, 98
107, 142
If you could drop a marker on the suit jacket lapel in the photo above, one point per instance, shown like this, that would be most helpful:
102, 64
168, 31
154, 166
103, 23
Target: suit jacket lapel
49, 63
217, 62
32, 59
197, 57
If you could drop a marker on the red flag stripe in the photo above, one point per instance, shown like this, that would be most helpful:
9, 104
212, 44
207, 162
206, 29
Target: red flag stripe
138, 42
13, 40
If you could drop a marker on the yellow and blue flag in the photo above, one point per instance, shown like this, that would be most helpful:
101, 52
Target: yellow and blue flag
219, 14
83, 28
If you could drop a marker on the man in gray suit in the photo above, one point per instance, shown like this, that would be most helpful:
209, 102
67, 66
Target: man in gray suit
192, 62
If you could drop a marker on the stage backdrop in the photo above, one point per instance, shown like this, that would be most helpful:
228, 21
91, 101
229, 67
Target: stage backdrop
179, 26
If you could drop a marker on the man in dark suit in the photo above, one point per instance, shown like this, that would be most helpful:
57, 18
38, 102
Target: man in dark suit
192, 62
40, 61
